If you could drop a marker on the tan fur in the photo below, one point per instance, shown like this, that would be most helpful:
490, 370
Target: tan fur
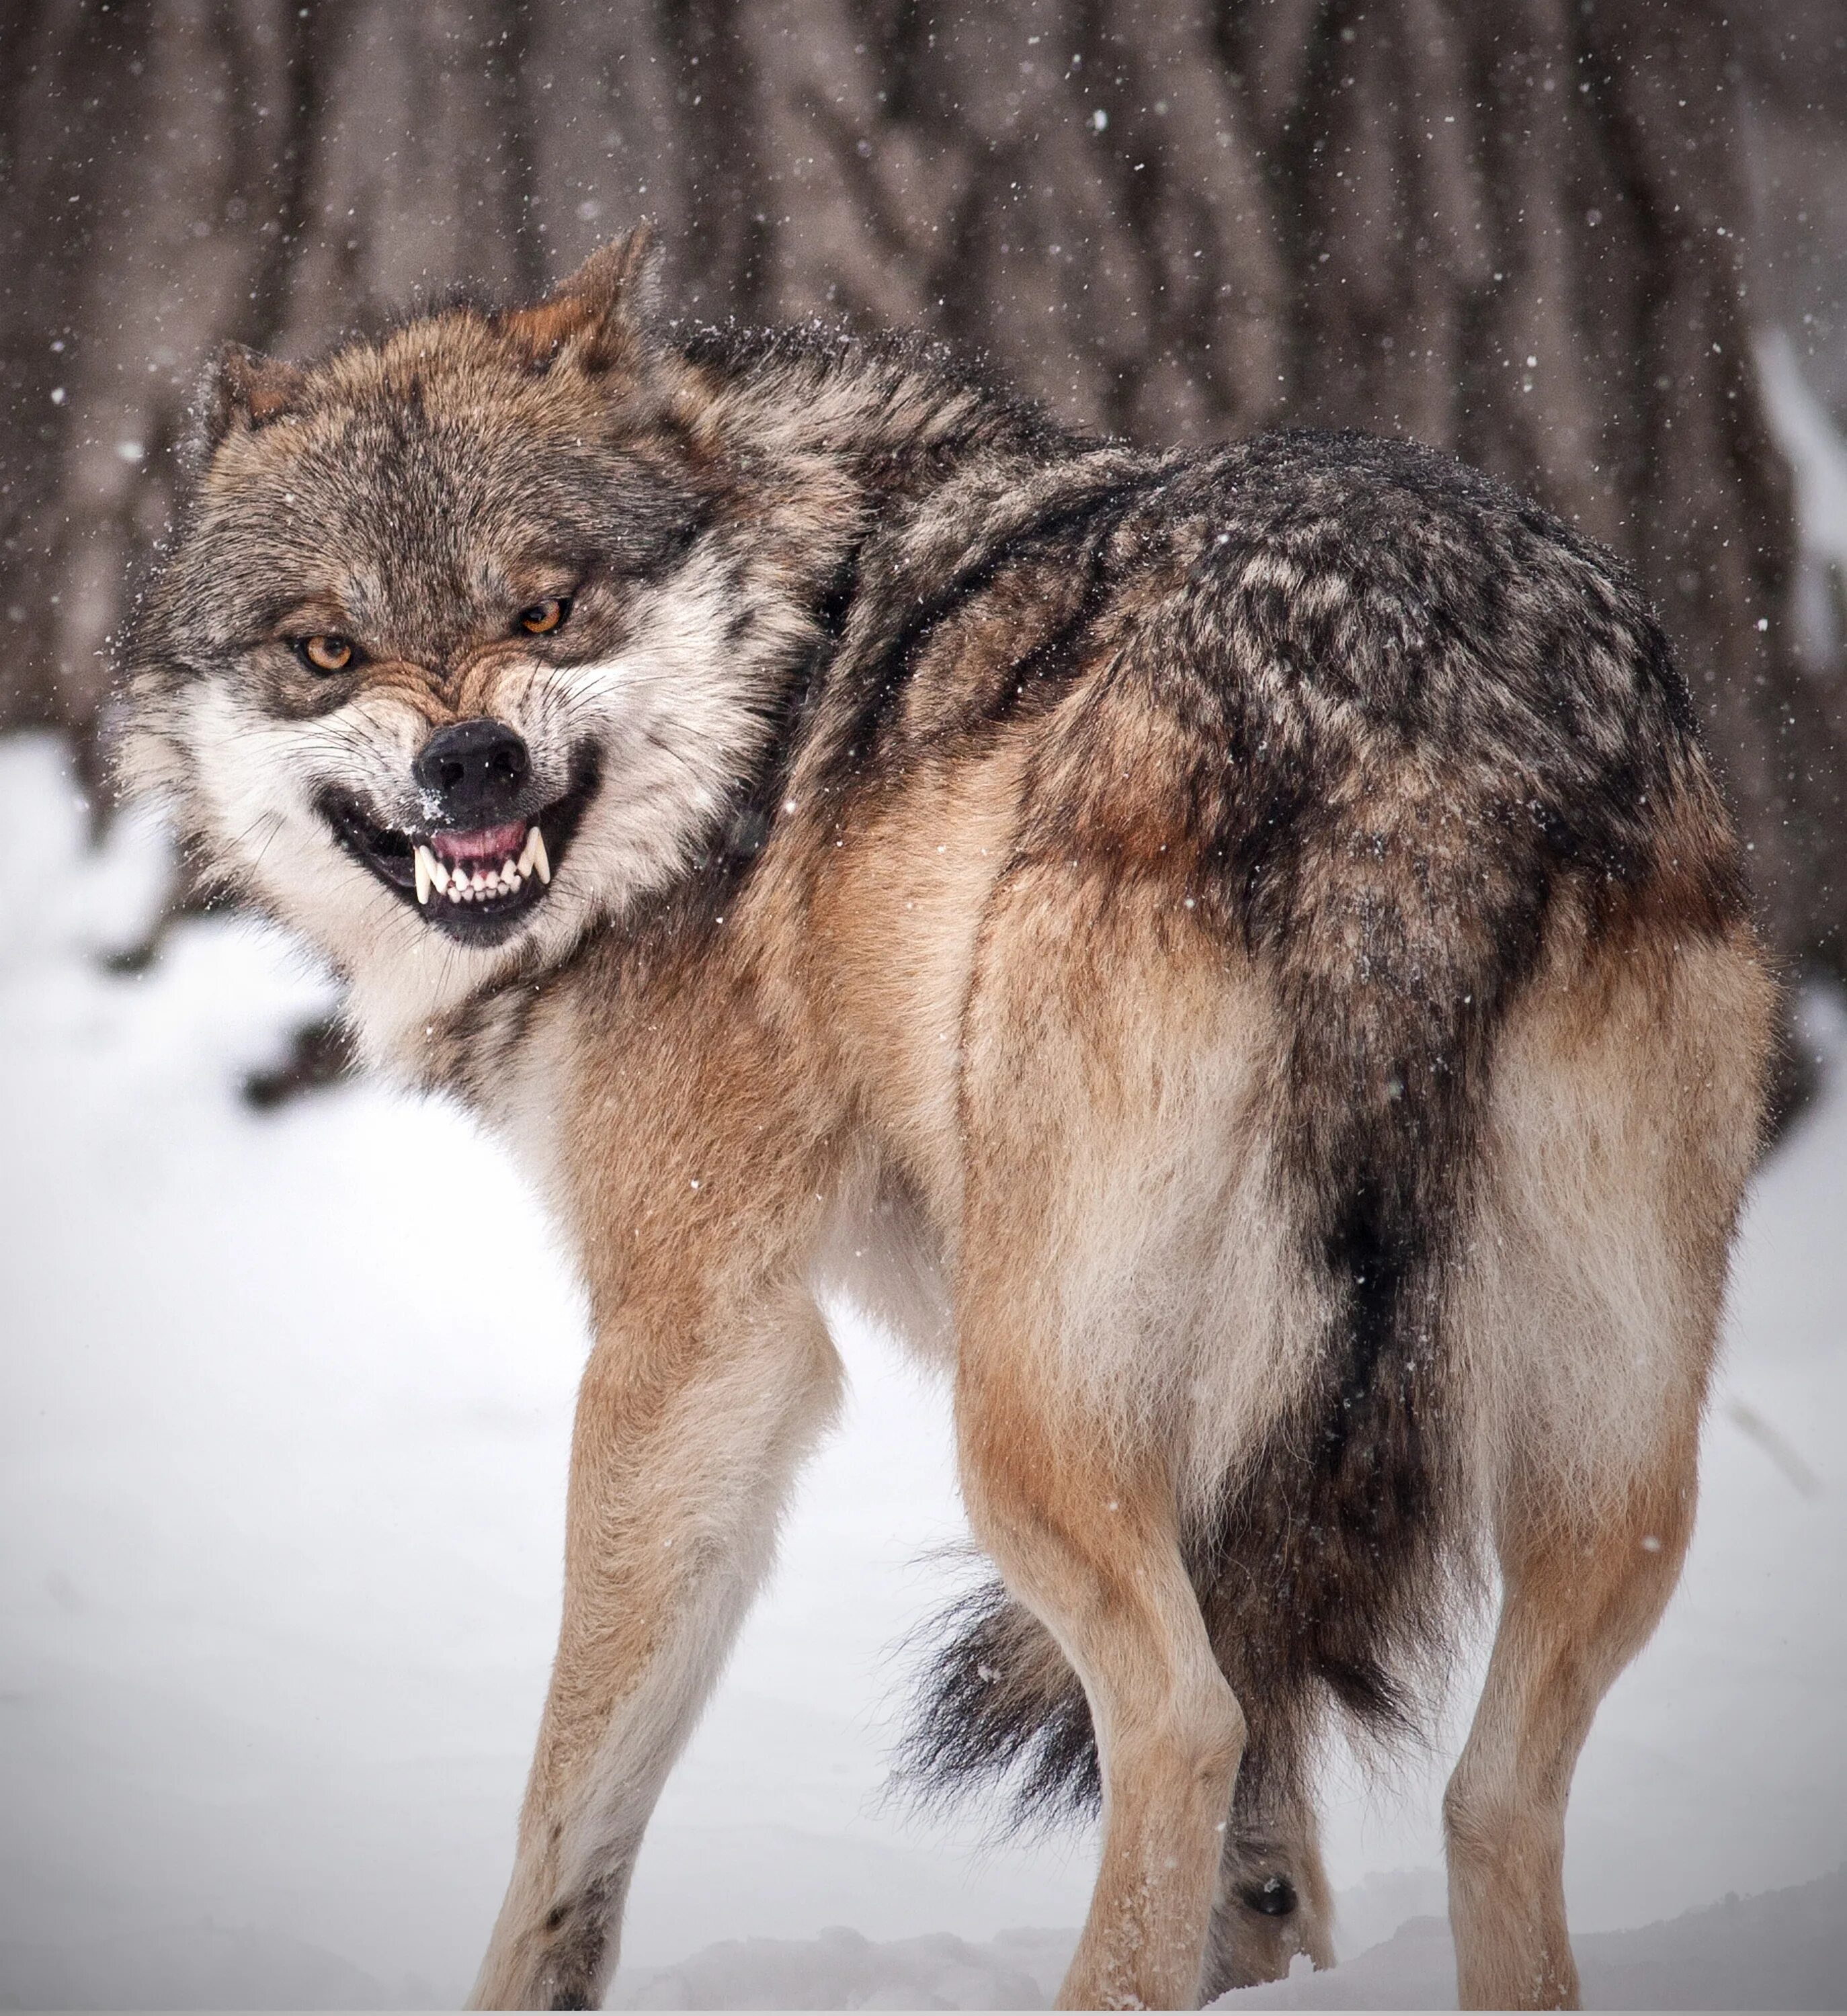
712, 1375
1627, 1105
1070, 1346
1265, 1948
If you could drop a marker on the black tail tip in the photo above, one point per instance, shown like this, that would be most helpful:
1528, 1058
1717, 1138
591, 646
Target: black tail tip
998, 1705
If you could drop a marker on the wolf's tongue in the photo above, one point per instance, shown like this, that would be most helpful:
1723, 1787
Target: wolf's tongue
488, 843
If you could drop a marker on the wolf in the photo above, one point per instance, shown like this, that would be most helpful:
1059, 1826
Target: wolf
1236, 953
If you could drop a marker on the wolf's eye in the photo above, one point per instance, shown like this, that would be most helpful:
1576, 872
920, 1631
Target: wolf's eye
544, 616
327, 653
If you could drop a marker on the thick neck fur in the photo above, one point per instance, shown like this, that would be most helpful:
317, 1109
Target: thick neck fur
832, 452
890, 417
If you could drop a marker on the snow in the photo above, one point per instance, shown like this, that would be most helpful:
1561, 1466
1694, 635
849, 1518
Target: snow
1804, 430
1784, 1950
282, 1428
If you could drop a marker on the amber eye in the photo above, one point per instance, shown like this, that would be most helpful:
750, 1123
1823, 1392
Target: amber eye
544, 616
327, 653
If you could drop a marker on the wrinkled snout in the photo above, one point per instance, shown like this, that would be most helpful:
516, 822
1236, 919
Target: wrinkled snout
477, 857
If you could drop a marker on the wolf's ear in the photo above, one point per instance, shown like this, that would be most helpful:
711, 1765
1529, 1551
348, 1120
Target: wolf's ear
604, 310
244, 389
622, 278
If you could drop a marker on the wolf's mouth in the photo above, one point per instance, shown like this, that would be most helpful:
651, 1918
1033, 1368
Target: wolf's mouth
477, 883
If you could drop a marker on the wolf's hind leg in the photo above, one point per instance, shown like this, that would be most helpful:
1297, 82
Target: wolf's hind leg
1113, 1241
1273, 1901
1627, 1116
690, 1423
1086, 1537
1576, 1610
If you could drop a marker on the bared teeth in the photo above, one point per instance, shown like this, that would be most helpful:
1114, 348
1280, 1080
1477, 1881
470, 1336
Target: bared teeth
462, 884
431, 874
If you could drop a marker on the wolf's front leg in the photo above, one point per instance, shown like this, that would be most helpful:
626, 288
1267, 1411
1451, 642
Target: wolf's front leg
690, 1422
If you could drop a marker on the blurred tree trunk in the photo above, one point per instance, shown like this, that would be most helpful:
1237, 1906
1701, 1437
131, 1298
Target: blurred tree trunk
1512, 231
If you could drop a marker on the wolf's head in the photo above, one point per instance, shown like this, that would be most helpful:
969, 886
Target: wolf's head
467, 637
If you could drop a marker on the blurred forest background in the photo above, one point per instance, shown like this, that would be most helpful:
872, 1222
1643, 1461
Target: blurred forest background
1549, 235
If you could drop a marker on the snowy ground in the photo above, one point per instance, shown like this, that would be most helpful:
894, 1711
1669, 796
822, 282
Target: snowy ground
280, 1468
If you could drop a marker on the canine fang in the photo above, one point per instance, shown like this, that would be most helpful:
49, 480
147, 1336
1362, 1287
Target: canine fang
1358, 1039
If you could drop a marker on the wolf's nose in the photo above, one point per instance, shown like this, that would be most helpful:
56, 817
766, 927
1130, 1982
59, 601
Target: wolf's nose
475, 768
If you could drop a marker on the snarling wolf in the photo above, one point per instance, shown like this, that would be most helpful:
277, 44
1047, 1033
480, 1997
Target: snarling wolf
1245, 939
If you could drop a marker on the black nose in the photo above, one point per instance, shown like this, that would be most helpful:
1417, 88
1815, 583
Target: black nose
475, 768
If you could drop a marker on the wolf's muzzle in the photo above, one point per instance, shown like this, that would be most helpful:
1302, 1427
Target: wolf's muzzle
466, 866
